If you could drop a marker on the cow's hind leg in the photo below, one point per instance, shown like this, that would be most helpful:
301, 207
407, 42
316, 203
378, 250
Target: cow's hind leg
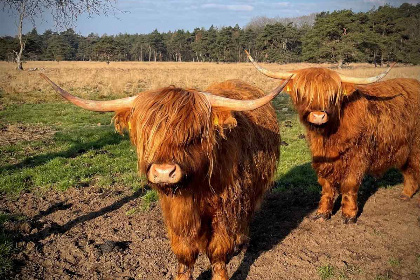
411, 173
326, 202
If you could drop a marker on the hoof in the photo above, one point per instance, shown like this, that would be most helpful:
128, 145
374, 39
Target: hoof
321, 216
349, 220
404, 197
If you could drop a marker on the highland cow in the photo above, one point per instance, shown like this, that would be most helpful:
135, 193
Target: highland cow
356, 126
210, 155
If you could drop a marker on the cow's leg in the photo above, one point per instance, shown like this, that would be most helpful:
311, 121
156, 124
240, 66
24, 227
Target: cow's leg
327, 200
349, 188
220, 246
411, 173
186, 255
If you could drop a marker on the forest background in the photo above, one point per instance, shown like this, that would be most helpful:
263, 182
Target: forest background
378, 36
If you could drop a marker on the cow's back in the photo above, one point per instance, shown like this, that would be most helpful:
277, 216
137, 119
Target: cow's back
382, 121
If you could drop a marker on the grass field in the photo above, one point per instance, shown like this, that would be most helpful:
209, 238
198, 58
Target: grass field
47, 143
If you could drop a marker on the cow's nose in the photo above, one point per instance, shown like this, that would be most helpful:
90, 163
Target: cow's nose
164, 173
318, 117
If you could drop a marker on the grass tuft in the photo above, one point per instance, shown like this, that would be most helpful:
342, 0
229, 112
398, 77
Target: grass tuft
148, 199
394, 262
326, 271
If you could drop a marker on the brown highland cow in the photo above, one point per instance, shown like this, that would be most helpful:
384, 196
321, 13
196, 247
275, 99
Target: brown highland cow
356, 126
210, 155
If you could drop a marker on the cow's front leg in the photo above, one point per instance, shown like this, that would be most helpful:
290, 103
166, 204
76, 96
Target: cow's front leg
349, 189
186, 254
326, 202
219, 248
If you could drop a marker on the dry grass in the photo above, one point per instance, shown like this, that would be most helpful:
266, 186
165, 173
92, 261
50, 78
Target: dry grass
118, 79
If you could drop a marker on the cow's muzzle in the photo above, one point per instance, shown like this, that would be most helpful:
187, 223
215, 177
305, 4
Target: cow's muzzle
164, 173
317, 117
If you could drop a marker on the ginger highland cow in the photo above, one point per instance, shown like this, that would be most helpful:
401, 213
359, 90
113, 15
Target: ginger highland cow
210, 155
356, 126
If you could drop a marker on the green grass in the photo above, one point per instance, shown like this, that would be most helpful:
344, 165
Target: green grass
80, 153
60, 115
148, 199
326, 271
394, 262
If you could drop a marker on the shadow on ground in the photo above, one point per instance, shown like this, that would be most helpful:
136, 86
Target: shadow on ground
55, 228
78, 147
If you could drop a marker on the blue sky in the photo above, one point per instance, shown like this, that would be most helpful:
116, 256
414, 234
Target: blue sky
143, 16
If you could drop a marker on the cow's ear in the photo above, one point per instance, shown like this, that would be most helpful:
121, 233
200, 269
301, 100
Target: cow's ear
348, 88
223, 120
122, 120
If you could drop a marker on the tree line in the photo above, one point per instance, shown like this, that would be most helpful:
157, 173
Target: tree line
377, 36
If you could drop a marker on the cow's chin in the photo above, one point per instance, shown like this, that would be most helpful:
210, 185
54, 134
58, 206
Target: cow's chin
167, 188
317, 124
170, 188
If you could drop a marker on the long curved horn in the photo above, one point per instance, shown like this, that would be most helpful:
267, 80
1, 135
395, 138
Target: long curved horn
344, 78
365, 81
98, 106
243, 105
275, 75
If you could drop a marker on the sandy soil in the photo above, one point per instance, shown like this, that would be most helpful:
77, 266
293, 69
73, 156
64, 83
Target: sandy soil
92, 233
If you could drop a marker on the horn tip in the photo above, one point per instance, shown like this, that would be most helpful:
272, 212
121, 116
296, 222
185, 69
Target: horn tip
392, 65
45, 77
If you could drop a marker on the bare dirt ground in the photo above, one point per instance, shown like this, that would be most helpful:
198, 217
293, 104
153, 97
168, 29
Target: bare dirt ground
13, 133
92, 233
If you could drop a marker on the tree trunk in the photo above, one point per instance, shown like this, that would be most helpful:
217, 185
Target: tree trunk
20, 36
340, 63
141, 53
150, 53
374, 57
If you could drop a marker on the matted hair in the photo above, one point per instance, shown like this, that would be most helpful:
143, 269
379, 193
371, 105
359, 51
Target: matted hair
165, 119
317, 86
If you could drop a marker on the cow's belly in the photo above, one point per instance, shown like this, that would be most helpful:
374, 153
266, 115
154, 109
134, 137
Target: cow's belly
389, 158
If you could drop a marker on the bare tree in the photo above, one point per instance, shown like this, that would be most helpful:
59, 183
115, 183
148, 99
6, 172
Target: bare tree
64, 12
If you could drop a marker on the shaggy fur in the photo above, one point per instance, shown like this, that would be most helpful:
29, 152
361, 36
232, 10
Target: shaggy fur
371, 129
229, 159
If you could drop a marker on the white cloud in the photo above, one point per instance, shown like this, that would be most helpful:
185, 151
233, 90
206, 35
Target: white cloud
281, 4
378, 2
246, 8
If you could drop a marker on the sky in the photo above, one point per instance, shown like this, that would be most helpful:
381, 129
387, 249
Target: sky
144, 16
